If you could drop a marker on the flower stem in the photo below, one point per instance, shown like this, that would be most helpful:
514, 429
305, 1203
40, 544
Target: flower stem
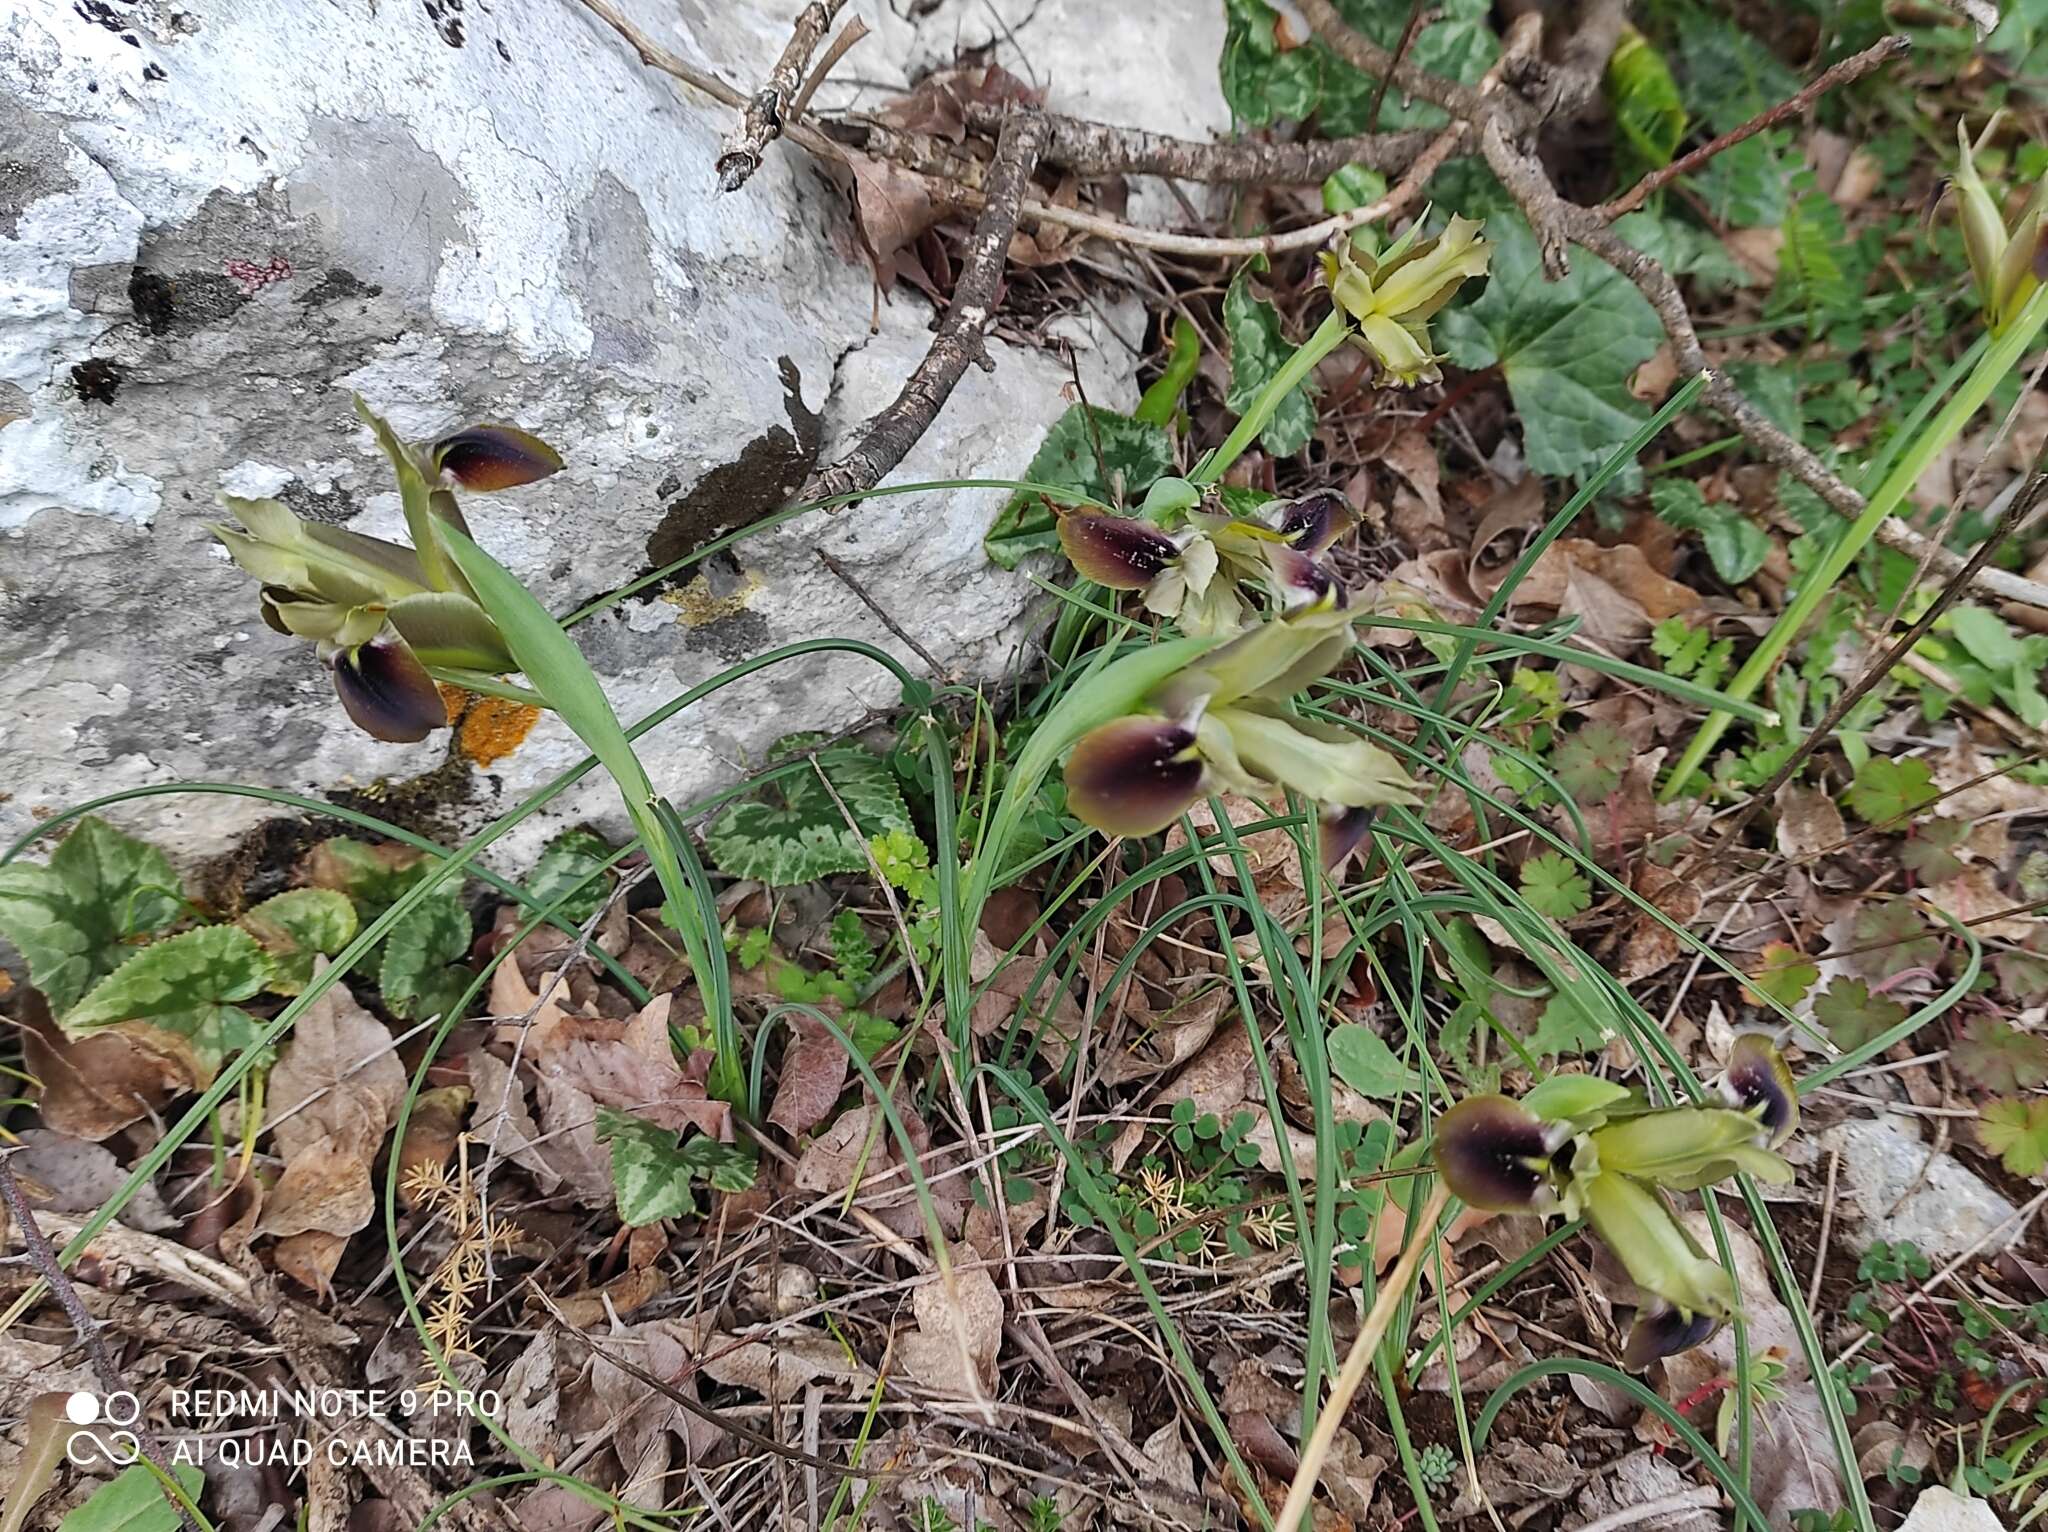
1329, 335
1928, 445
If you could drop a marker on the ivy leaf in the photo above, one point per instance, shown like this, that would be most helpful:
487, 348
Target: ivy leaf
1784, 974
1133, 453
1853, 1016
805, 835
76, 919
133, 1501
1886, 789
1257, 351
650, 1177
567, 861
1930, 850
1457, 43
1736, 546
187, 988
1261, 80
1999, 1057
1365, 1063
296, 927
2016, 1130
416, 977
1552, 885
1900, 934
1567, 349
1564, 1030
1590, 761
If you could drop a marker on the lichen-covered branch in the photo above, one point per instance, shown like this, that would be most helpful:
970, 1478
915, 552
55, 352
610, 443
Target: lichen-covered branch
894, 431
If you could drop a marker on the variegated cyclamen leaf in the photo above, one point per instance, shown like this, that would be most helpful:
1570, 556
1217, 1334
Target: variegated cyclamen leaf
297, 926
76, 920
418, 978
571, 859
187, 988
795, 831
650, 1177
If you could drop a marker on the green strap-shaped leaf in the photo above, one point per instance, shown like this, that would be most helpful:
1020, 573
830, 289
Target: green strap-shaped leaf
76, 919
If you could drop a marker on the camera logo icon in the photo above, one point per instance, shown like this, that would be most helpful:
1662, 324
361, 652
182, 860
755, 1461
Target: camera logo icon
101, 1429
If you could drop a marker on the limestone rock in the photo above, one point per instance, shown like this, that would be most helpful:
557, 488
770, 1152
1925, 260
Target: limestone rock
220, 218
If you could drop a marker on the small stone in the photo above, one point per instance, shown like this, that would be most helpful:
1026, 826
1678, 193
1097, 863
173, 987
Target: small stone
1943, 1510
1949, 1210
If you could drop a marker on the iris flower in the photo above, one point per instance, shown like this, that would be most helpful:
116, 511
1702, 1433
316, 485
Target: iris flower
1194, 575
382, 613
1222, 722
1589, 1148
2008, 264
1392, 297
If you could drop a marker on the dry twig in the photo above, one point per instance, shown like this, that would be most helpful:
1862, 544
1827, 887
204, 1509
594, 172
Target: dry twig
45, 1261
894, 431
773, 107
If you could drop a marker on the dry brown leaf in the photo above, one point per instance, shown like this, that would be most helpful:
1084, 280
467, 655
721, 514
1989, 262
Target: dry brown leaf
1417, 515
1808, 821
93, 1086
1614, 591
1652, 946
325, 1187
338, 1078
432, 1132
72, 1175
523, 1011
814, 1067
310, 1259
959, 1330
782, 1366
533, 1398
1432, 588
1963, 762
892, 207
631, 1065
624, 1294
1975, 894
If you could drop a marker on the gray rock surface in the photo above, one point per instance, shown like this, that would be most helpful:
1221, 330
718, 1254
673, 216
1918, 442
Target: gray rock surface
1945, 1211
219, 218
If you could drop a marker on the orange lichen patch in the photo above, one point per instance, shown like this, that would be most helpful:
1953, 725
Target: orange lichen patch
493, 727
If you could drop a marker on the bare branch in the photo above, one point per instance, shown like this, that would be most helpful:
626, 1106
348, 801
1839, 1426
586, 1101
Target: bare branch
896, 429
1368, 57
1847, 72
768, 110
1557, 222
